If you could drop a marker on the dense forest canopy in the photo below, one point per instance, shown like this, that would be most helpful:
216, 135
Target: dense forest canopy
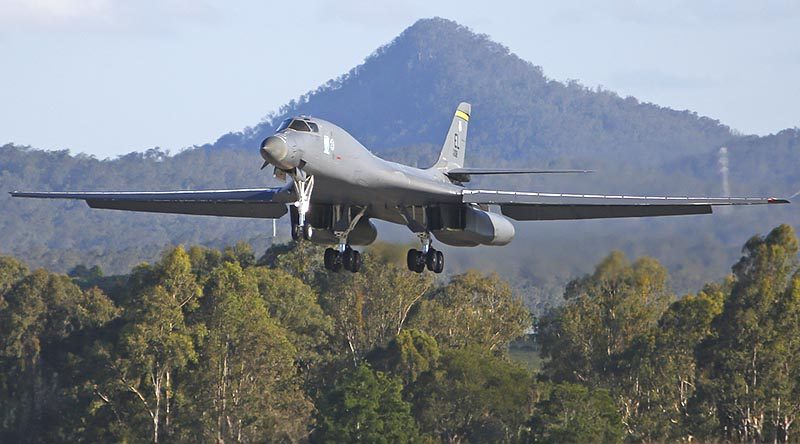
398, 103
219, 345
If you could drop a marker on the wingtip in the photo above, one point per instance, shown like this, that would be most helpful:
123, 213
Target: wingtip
774, 200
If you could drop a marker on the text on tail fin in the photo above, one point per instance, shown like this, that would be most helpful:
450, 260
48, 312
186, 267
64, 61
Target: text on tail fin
455, 144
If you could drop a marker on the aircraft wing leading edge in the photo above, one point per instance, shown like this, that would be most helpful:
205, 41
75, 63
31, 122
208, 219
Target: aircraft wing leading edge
265, 203
558, 206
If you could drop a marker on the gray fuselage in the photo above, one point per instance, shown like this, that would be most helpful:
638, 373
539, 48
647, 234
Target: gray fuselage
346, 173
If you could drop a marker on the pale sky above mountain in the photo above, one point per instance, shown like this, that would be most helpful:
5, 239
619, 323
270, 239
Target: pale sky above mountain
107, 77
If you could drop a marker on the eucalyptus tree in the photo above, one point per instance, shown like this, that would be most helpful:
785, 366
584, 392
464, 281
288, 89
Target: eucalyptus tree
473, 309
751, 364
603, 313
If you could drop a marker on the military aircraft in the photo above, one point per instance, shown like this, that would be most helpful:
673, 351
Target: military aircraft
337, 187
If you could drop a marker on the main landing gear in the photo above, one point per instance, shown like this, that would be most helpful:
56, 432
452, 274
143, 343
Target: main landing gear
344, 256
429, 257
348, 259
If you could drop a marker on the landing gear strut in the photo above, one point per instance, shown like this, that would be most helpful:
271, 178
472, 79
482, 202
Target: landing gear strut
429, 257
303, 186
344, 256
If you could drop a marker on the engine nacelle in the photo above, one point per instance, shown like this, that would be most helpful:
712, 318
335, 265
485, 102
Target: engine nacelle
478, 228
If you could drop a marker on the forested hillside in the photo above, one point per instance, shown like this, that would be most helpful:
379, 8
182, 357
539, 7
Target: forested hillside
399, 103
209, 345
405, 93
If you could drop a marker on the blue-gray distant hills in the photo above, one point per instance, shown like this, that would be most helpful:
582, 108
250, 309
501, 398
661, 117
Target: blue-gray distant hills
399, 103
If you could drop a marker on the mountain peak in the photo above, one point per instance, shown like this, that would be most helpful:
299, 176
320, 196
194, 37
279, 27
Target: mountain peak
437, 26
404, 94
437, 35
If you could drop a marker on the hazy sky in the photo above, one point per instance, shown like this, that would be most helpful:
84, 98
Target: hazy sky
108, 76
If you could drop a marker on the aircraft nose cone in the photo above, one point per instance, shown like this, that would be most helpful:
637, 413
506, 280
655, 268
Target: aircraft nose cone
274, 149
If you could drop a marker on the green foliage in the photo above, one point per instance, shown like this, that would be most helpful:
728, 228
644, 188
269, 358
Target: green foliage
366, 406
248, 386
473, 394
751, 371
156, 341
295, 306
604, 312
408, 355
11, 270
365, 314
655, 378
474, 309
44, 321
573, 413
206, 345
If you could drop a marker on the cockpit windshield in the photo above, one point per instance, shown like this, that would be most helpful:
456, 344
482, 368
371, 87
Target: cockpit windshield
283, 125
299, 125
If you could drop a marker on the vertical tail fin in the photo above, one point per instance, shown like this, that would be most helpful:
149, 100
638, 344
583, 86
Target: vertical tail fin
455, 145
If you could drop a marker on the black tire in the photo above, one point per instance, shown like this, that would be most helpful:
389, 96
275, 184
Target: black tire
430, 259
337, 264
420, 262
439, 263
411, 260
347, 258
355, 261
308, 231
294, 218
330, 258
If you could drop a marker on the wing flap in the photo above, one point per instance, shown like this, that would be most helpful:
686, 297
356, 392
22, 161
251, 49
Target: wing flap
559, 206
229, 209
571, 212
257, 203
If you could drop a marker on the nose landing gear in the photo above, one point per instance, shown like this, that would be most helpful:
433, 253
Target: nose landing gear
303, 186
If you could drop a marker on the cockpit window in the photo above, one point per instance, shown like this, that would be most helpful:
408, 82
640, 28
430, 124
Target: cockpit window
283, 125
299, 125
313, 126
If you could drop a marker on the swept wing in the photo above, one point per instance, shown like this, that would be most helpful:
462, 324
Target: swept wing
255, 202
559, 206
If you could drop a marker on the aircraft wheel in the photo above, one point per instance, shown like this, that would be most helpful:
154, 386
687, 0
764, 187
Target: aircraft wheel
355, 261
308, 231
330, 258
419, 265
347, 258
411, 260
337, 263
439, 262
430, 259
295, 232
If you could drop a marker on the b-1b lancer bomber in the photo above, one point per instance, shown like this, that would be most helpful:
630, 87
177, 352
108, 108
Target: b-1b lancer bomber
338, 187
